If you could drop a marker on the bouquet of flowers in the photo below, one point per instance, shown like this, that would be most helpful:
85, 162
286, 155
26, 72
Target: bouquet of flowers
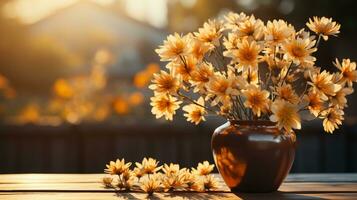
241, 68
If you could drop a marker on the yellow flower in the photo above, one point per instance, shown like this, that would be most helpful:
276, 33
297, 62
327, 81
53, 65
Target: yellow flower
287, 93
151, 183
323, 26
210, 33
220, 89
285, 115
138, 172
247, 54
195, 113
233, 20
348, 71
107, 181
200, 76
299, 50
277, 32
118, 167
225, 109
315, 103
251, 28
127, 180
183, 68
210, 182
256, 99
203, 169
238, 82
339, 100
148, 166
332, 118
164, 83
193, 181
231, 42
275, 63
323, 84
173, 182
171, 169
174, 177
251, 76
164, 105
174, 47
198, 49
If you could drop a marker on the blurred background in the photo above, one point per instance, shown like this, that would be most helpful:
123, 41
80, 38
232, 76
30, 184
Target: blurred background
74, 77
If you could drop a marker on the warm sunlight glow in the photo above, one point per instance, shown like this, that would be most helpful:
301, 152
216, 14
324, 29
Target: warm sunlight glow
153, 11
32, 11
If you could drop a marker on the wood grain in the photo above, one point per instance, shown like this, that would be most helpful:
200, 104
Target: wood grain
88, 186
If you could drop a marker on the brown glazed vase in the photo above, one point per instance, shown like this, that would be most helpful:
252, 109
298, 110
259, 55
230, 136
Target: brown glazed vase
252, 156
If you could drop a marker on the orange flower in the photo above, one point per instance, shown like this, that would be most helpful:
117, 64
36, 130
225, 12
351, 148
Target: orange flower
287, 93
348, 71
164, 83
174, 47
210, 33
118, 167
277, 31
285, 115
194, 112
233, 20
183, 68
247, 54
332, 118
201, 76
164, 105
256, 99
251, 28
220, 89
322, 83
299, 50
315, 103
198, 49
323, 26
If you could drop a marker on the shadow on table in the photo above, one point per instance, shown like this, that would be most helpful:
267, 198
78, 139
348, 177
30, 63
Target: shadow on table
177, 195
214, 195
198, 196
275, 195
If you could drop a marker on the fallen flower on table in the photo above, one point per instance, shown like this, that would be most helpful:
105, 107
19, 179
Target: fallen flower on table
147, 166
210, 182
107, 181
149, 177
117, 167
174, 177
151, 183
203, 168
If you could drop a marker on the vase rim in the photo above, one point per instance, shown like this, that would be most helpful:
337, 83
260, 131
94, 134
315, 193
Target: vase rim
253, 122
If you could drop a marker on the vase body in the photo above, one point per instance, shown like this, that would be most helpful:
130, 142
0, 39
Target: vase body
252, 156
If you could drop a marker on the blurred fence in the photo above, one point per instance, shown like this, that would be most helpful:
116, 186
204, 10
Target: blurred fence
88, 147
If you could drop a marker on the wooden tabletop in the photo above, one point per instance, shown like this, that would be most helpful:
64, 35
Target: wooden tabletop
88, 186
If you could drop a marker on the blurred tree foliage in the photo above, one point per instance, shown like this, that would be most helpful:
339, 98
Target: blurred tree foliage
31, 64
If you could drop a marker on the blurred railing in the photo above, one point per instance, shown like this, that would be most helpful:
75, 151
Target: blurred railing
88, 147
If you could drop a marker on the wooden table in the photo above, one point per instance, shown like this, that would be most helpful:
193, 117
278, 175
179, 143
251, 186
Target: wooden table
88, 186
